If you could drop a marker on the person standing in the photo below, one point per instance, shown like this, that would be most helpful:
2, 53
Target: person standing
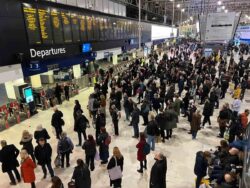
116, 160
145, 108
56, 182
43, 153
236, 107
77, 108
128, 106
158, 172
161, 121
27, 168
140, 154
58, 91
57, 122
115, 118
171, 123
81, 175
223, 118
207, 112
66, 91
81, 124
90, 150
41, 133
195, 123
104, 140
244, 119
135, 121
177, 105
152, 131
64, 148
8, 158
201, 164
100, 122
26, 142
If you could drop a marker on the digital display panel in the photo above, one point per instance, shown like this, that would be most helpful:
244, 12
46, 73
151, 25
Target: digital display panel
66, 26
83, 28
57, 26
86, 47
75, 27
31, 22
28, 94
90, 27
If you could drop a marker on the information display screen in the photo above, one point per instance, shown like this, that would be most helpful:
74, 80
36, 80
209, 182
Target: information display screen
45, 25
57, 26
96, 28
90, 27
28, 94
75, 27
83, 28
31, 22
66, 26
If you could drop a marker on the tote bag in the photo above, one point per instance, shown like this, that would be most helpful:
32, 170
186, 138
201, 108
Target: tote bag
115, 172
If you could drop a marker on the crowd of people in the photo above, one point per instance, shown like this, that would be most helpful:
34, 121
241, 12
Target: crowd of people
160, 91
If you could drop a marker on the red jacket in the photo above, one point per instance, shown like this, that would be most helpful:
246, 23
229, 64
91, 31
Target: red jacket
27, 170
140, 155
244, 120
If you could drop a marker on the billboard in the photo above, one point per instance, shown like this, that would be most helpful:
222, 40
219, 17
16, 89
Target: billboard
162, 32
243, 33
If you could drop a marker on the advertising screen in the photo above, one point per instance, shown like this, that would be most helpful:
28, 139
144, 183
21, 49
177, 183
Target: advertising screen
243, 33
86, 47
162, 32
28, 94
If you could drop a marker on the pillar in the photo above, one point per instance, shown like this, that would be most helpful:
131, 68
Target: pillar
77, 71
115, 59
36, 81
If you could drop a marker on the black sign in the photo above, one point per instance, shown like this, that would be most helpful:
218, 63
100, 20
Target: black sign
45, 25
75, 27
57, 26
31, 22
66, 26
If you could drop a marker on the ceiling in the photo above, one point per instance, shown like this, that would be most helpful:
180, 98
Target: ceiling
186, 8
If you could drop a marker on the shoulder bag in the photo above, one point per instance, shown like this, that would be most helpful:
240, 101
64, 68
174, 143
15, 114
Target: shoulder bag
115, 172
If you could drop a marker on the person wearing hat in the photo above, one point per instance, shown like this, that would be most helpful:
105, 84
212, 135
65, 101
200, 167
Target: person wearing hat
41, 133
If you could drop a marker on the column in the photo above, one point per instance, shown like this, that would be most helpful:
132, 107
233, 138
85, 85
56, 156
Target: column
77, 71
36, 81
115, 59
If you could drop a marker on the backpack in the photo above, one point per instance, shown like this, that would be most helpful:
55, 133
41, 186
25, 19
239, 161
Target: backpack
107, 140
64, 145
146, 149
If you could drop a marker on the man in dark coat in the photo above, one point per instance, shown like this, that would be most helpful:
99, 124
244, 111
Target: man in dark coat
43, 152
8, 158
81, 175
135, 121
80, 126
207, 112
58, 91
57, 122
158, 172
161, 120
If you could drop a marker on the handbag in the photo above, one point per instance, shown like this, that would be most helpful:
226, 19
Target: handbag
115, 172
71, 184
58, 161
97, 156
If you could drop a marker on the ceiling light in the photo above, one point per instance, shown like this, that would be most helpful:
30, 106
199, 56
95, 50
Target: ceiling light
178, 6
191, 18
182, 10
223, 7
219, 2
226, 11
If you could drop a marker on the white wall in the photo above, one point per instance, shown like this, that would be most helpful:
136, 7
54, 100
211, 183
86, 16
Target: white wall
12, 72
10, 87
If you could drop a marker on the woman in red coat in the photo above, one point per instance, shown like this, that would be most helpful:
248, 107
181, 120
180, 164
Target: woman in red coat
27, 168
140, 155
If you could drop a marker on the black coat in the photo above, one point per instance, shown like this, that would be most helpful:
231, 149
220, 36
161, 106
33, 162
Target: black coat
27, 144
201, 164
8, 158
111, 165
208, 109
76, 109
57, 120
81, 123
100, 121
161, 120
152, 128
158, 174
41, 134
90, 148
135, 117
43, 154
82, 178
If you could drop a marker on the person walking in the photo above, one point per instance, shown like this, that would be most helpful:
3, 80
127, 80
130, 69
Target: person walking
41, 133
116, 160
64, 148
201, 164
43, 153
80, 127
27, 168
8, 158
158, 172
140, 154
57, 122
104, 140
207, 112
195, 124
81, 175
26, 142
58, 92
152, 131
90, 150
115, 115
135, 121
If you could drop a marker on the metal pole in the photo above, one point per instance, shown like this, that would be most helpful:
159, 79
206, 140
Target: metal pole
139, 26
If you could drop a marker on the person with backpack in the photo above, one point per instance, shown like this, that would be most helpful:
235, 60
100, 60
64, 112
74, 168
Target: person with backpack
57, 122
81, 175
64, 148
90, 150
141, 155
104, 140
80, 126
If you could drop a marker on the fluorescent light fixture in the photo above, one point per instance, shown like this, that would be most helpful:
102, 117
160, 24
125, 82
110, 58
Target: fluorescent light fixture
191, 18
226, 11
223, 7
219, 2
178, 6
183, 10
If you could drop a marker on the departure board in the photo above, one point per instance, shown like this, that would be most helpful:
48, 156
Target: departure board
90, 27
96, 28
45, 25
57, 26
102, 33
83, 30
75, 27
31, 22
66, 26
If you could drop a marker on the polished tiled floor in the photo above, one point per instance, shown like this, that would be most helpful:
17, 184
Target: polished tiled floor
180, 151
